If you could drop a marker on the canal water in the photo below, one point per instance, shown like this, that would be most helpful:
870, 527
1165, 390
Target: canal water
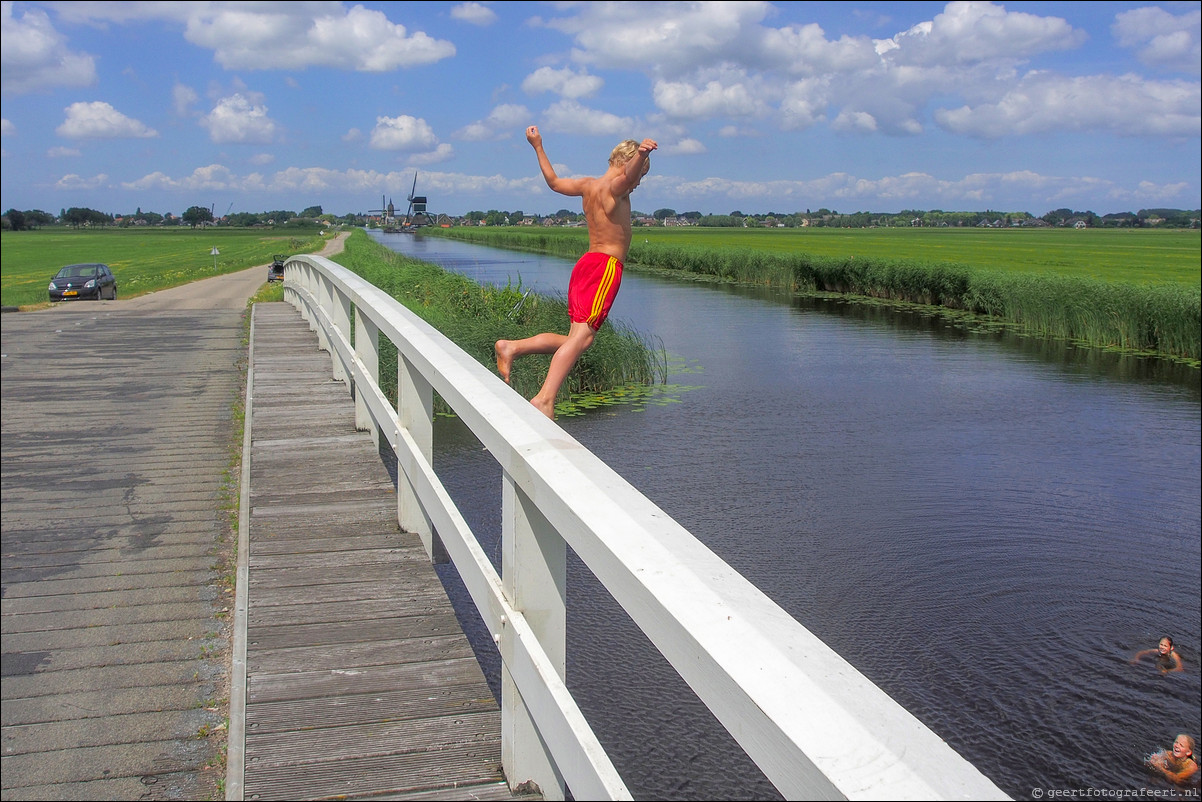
987, 526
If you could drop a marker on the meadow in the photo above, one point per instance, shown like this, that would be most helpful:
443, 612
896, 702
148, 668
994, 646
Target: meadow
142, 259
1134, 290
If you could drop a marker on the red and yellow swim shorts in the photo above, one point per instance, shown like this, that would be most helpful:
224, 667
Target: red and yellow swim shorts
592, 288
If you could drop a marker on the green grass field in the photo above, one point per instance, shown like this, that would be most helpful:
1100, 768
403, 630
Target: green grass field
1133, 290
143, 260
1131, 255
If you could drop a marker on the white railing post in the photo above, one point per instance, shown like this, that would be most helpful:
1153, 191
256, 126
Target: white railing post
367, 349
321, 291
415, 413
534, 575
340, 311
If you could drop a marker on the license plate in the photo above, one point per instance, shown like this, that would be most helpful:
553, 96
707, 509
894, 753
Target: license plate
71, 292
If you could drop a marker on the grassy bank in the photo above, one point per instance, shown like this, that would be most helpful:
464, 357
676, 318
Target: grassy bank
143, 260
1143, 297
474, 317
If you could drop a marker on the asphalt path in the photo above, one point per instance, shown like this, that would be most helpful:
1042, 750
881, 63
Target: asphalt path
118, 495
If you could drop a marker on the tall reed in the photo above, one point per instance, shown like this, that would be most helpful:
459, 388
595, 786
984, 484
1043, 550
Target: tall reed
475, 316
1160, 318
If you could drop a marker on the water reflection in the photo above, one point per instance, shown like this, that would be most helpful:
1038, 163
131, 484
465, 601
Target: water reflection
988, 526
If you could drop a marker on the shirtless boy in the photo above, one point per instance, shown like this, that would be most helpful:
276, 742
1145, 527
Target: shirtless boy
596, 277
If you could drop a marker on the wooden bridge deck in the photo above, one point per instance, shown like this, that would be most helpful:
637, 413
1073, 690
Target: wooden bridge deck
360, 682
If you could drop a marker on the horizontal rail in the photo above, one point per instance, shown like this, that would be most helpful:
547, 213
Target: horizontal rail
814, 725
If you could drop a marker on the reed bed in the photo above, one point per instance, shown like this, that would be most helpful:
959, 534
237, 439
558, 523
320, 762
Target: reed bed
1161, 318
475, 316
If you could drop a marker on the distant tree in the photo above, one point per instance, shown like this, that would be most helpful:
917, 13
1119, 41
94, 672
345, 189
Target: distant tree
720, 221
16, 220
195, 215
36, 217
663, 214
85, 217
311, 212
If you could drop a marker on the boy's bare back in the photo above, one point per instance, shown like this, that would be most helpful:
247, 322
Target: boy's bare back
606, 199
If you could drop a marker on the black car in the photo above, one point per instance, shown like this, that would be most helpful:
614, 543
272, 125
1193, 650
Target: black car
93, 281
276, 271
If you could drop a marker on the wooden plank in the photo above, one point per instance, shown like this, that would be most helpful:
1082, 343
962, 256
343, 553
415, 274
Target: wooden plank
360, 681
398, 705
263, 687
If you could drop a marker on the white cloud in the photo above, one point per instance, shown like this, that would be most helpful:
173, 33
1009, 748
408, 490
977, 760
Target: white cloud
7, 128
355, 182
352, 135
1126, 105
805, 50
74, 182
501, 122
182, 98
1162, 39
260, 159
291, 36
975, 190
239, 119
676, 38
209, 177
569, 117
685, 147
731, 95
804, 104
99, 120
970, 32
474, 13
565, 82
402, 133
34, 56
723, 60
441, 153
859, 121
61, 152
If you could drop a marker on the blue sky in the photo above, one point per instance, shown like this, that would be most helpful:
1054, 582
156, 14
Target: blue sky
757, 107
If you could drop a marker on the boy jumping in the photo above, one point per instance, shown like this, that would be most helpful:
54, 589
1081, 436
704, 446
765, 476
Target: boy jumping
596, 277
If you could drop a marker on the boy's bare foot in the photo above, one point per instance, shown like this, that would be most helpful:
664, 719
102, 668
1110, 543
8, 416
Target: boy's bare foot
544, 407
504, 358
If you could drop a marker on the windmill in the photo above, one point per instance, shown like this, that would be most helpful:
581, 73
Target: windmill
416, 214
386, 213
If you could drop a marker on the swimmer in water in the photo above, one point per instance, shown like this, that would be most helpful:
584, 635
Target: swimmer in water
1167, 659
1177, 765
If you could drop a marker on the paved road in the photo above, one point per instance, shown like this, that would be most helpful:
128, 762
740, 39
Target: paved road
117, 498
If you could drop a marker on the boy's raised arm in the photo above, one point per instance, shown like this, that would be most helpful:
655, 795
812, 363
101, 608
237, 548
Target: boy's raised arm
564, 186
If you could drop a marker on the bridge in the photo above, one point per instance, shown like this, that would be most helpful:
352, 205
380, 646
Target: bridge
813, 724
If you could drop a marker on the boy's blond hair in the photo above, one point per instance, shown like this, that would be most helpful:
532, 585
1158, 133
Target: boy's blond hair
624, 152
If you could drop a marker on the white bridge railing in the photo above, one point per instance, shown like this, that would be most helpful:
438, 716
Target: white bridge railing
814, 725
